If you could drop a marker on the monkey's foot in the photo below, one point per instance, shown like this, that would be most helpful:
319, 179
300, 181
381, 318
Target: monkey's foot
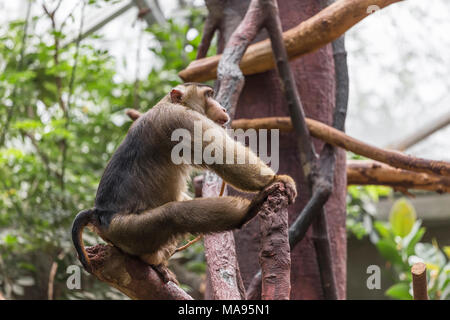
165, 273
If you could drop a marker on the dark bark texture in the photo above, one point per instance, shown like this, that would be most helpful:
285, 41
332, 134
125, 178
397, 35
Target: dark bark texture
262, 97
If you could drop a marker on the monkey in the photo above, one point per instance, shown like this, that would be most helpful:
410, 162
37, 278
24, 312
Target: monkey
141, 206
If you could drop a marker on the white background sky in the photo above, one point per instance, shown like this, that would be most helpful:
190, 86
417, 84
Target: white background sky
399, 65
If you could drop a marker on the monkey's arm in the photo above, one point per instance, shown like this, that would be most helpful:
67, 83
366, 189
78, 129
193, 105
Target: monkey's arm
234, 162
249, 173
238, 165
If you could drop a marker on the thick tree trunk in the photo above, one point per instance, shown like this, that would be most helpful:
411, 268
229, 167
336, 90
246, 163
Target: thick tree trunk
262, 97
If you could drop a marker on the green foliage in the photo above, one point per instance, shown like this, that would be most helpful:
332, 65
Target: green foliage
398, 242
403, 249
56, 137
361, 208
402, 217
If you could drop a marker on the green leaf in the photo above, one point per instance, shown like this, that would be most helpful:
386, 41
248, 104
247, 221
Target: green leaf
27, 266
388, 250
445, 295
10, 239
447, 251
383, 229
444, 278
28, 124
413, 237
402, 217
399, 291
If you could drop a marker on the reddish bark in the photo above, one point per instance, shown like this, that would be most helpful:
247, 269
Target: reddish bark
362, 172
223, 276
130, 275
276, 270
274, 255
305, 38
261, 97
419, 281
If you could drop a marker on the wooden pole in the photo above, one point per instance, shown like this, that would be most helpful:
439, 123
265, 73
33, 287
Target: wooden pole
419, 280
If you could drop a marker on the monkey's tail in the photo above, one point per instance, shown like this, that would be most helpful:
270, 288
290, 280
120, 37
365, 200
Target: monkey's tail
82, 219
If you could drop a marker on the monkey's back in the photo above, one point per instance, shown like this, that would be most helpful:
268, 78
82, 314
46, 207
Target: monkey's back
140, 175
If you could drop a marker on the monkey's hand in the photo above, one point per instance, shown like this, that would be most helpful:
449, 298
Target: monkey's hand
281, 182
289, 186
165, 273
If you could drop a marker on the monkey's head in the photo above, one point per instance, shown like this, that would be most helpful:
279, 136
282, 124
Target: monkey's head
199, 97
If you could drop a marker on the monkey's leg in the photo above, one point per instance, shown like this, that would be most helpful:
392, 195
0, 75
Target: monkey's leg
146, 233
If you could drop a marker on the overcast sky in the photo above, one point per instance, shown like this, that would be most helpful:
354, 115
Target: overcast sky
399, 65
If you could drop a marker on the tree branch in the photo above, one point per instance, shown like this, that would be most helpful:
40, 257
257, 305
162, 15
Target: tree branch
319, 30
305, 147
318, 173
339, 139
220, 248
230, 78
131, 276
209, 29
359, 172
362, 172
274, 254
220, 251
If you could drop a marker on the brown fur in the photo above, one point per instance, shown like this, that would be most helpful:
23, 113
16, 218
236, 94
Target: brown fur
141, 205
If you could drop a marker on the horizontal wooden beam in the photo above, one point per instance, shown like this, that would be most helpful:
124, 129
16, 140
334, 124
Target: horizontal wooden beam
339, 139
358, 172
310, 35
367, 172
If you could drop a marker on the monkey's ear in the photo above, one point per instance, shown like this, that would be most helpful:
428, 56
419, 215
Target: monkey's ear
176, 95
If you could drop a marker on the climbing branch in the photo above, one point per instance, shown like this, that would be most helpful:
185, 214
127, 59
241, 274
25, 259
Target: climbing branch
131, 276
362, 172
212, 22
230, 78
220, 250
368, 172
339, 139
311, 167
274, 254
310, 35
230, 84
318, 172
359, 172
